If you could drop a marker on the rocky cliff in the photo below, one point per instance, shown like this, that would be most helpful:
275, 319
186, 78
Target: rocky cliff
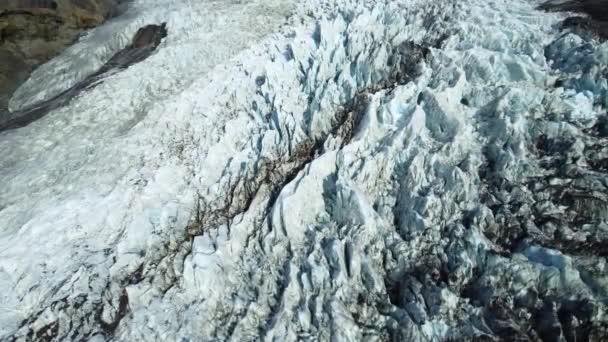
33, 31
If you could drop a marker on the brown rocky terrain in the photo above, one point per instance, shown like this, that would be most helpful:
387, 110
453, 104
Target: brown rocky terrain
33, 31
143, 44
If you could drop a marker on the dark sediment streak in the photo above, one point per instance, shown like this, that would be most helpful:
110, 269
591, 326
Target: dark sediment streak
144, 43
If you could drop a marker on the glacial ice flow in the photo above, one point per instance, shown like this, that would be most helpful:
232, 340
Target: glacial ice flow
330, 169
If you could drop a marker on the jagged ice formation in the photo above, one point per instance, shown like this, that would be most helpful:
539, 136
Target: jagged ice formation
327, 170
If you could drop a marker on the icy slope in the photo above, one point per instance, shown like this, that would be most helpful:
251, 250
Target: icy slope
399, 170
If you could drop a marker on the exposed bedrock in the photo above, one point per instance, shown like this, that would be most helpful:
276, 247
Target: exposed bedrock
34, 31
143, 44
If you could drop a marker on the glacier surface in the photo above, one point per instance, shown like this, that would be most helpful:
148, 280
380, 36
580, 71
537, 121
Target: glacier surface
321, 170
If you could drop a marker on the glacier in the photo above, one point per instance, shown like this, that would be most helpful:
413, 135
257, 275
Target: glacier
344, 170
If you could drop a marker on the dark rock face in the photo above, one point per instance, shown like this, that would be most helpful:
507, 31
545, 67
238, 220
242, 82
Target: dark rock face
145, 41
13, 71
596, 9
34, 31
596, 23
34, 4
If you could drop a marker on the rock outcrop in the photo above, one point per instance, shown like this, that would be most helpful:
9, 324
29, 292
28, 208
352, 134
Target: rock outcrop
33, 31
595, 22
144, 42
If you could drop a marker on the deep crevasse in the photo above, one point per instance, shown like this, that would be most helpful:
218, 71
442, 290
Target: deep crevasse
378, 170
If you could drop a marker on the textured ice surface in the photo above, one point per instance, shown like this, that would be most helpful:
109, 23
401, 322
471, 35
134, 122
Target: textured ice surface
327, 170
